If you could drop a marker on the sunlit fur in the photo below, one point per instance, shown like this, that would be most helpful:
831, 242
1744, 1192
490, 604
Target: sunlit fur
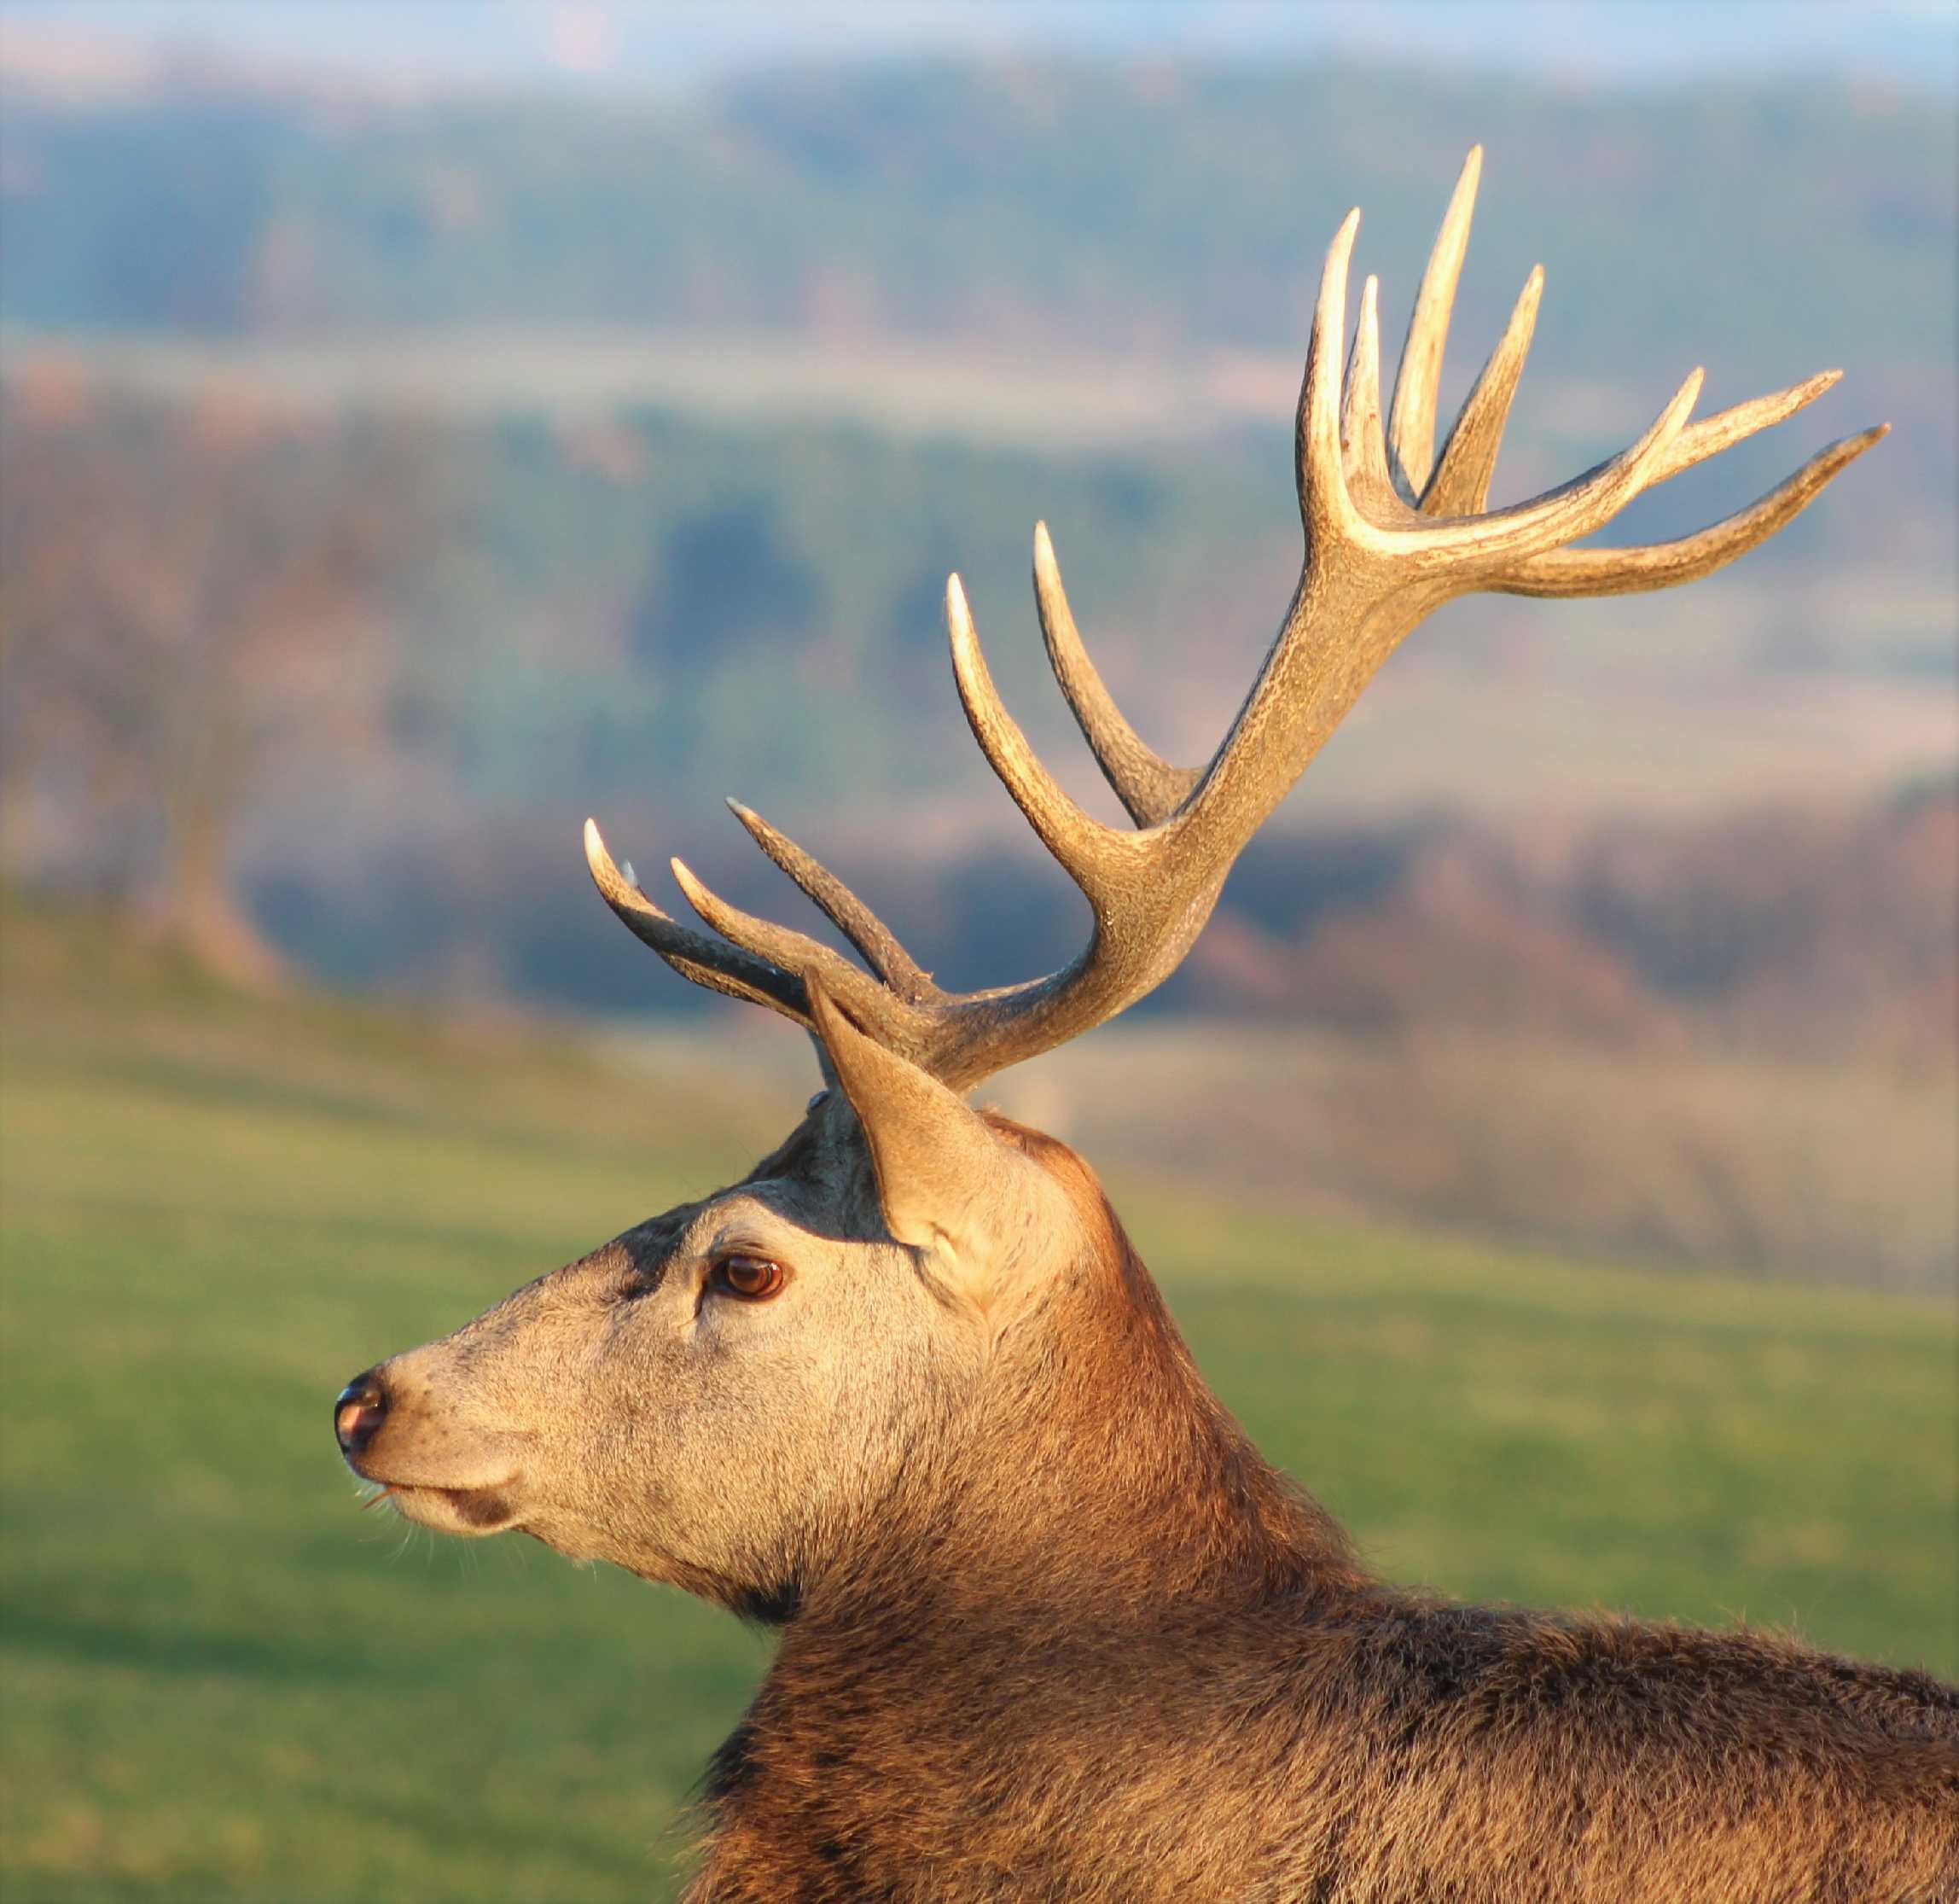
1051, 1629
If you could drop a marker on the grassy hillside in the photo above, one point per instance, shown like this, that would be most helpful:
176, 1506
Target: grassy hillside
222, 1680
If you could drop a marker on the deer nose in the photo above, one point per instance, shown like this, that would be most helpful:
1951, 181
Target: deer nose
360, 1412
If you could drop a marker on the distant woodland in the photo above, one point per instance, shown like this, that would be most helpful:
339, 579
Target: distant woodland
1142, 207
222, 620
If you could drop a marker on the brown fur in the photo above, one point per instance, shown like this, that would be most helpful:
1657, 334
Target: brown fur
1101, 1652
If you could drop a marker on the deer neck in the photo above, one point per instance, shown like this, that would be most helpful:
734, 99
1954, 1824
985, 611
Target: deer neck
1103, 1523
1093, 1476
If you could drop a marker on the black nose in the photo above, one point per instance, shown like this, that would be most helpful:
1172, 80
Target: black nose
359, 1413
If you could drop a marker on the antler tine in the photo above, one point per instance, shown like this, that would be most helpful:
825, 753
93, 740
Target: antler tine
1725, 428
1326, 511
1087, 851
1149, 787
1565, 572
1375, 564
1360, 431
721, 968
786, 950
875, 941
1411, 420
1460, 483
1562, 515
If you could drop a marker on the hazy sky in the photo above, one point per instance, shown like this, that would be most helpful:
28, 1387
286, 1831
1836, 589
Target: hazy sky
678, 42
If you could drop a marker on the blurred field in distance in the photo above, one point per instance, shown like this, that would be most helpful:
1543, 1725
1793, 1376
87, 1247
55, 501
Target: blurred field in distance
222, 1681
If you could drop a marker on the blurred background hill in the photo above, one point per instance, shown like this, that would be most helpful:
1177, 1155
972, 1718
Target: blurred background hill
409, 449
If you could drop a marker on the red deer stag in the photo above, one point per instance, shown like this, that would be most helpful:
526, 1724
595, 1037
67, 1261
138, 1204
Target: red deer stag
1050, 1628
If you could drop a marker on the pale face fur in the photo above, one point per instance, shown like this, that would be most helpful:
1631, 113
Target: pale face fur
630, 1407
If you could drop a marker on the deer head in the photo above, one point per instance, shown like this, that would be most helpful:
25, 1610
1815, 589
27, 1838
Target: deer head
911, 1307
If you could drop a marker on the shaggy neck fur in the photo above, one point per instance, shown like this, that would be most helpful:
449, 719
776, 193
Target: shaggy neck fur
1095, 1469
1101, 1652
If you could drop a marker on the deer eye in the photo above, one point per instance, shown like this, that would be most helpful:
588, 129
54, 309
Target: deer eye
753, 1278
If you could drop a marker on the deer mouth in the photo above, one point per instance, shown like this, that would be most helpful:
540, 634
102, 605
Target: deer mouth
469, 1511
378, 1429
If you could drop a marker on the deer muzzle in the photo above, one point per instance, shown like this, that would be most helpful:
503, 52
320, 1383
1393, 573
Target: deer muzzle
429, 1466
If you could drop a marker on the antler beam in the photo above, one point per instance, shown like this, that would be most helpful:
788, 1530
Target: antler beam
1392, 531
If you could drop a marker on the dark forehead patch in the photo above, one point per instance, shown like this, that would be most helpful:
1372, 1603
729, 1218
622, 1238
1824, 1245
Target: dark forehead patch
661, 1232
648, 1245
819, 1177
796, 1154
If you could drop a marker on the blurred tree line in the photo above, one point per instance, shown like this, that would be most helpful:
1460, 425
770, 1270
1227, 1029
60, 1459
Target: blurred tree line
356, 679
244, 638
187, 602
1135, 207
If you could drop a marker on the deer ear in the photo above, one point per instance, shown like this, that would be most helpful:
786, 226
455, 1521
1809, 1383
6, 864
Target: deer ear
938, 1162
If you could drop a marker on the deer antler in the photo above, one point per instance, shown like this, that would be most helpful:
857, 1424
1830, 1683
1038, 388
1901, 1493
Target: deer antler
1392, 532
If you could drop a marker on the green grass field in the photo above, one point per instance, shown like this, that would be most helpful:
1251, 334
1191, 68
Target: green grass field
223, 1680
